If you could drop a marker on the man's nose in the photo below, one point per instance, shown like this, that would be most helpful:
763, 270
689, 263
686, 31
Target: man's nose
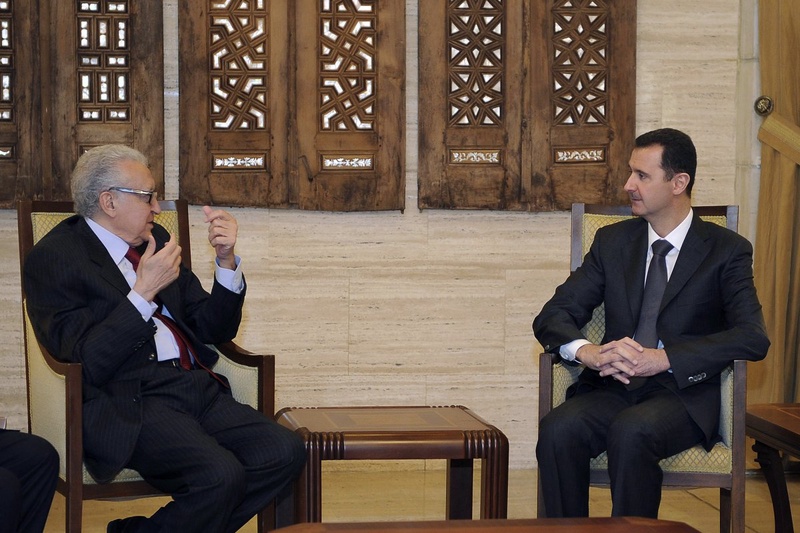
628, 184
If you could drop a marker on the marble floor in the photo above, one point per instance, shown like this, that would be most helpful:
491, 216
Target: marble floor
394, 494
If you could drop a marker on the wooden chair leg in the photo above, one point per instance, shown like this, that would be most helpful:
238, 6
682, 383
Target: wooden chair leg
724, 510
459, 489
265, 520
74, 508
772, 466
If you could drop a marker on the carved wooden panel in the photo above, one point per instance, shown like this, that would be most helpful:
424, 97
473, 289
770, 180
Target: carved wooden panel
20, 171
309, 117
585, 105
234, 106
350, 90
106, 70
74, 75
509, 126
471, 122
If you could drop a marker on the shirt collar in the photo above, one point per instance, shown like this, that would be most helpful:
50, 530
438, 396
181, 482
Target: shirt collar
675, 237
116, 247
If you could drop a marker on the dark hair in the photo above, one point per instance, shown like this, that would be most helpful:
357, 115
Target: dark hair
678, 155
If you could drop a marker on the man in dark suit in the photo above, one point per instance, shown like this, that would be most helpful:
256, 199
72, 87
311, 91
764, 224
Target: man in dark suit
93, 301
642, 403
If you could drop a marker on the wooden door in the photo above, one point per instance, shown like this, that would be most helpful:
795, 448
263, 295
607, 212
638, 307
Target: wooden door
583, 95
525, 104
471, 104
235, 105
350, 91
23, 154
107, 77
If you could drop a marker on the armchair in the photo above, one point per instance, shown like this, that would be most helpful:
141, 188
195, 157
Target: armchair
723, 466
54, 387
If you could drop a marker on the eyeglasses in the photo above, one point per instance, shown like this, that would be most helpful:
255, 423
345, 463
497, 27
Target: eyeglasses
147, 195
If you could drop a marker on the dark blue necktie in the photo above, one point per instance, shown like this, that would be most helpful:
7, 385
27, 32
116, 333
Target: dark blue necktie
646, 333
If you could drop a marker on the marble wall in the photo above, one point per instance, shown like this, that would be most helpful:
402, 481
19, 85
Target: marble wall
435, 307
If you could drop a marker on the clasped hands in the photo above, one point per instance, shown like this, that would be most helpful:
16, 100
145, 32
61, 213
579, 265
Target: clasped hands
158, 269
623, 359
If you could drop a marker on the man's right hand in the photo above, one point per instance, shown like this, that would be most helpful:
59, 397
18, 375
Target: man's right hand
157, 269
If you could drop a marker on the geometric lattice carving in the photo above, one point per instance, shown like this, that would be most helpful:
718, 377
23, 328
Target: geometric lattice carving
580, 65
347, 69
238, 54
103, 61
475, 62
6, 62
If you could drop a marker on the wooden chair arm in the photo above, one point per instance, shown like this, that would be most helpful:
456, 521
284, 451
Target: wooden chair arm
545, 383
55, 405
241, 366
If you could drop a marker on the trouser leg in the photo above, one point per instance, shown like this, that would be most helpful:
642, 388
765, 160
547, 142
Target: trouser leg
569, 436
655, 428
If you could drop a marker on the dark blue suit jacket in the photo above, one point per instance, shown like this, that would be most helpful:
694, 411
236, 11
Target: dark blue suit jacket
77, 301
710, 314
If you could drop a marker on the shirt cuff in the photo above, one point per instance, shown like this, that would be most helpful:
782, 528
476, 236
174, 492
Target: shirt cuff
233, 280
568, 351
145, 308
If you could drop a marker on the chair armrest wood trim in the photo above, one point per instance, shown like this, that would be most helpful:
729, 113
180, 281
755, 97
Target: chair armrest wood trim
266, 373
546, 361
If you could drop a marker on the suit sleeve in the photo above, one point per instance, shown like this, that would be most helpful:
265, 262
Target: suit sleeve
729, 311
571, 306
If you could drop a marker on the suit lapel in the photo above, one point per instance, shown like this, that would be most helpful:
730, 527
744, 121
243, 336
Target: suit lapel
693, 252
635, 254
98, 255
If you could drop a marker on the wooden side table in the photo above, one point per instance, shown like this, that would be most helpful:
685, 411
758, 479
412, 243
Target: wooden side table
454, 433
776, 428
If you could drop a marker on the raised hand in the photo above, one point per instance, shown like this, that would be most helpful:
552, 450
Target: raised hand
222, 233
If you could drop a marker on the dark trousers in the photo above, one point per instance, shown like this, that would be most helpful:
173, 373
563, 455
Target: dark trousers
28, 476
637, 428
221, 461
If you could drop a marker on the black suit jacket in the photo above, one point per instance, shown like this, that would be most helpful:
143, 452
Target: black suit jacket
710, 314
77, 301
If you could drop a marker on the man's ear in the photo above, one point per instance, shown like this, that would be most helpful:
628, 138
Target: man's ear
679, 183
107, 204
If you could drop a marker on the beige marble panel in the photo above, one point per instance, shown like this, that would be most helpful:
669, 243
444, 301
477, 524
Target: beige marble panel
526, 293
427, 320
312, 239
492, 239
687, 30
13, 403
350, 390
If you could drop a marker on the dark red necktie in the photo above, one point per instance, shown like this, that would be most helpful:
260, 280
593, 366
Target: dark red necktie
183, 342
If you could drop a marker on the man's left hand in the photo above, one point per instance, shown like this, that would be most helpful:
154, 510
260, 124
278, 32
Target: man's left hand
222, 232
